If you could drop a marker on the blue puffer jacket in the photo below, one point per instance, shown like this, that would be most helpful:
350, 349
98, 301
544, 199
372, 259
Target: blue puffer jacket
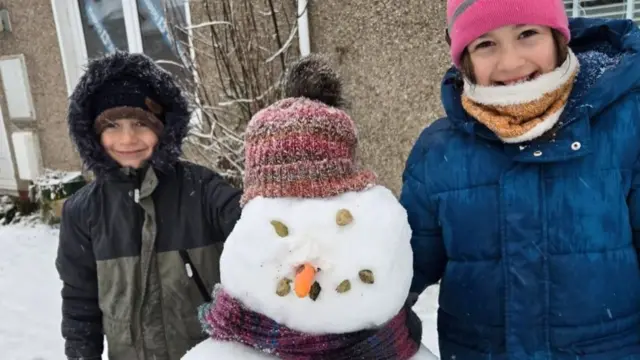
536, 245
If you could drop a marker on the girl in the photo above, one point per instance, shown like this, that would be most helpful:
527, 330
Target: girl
138, 244
524, 200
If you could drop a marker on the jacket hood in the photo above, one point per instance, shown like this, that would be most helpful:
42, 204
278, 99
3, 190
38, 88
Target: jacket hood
98, 73
608, 52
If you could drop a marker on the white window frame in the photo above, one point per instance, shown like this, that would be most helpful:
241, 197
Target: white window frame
66, 14
9, 183
631, 9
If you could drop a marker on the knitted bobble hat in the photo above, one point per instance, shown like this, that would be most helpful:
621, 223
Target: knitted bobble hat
126, 97
469, 19
304, 146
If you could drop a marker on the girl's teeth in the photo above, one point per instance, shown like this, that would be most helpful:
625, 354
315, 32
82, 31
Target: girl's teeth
523, 80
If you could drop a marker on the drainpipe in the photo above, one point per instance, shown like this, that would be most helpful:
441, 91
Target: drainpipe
631, 9
576, 8
303, 27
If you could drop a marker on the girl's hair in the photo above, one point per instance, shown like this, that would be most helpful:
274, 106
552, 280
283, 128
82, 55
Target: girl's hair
562, 51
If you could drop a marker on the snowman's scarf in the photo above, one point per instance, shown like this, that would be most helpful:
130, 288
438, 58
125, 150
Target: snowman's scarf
226, 319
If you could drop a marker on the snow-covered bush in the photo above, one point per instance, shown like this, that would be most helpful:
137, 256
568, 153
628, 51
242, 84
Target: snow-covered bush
14, 210
7, 210
51, 189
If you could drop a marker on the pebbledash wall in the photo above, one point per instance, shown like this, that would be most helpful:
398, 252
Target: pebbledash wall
390, 54
33, 35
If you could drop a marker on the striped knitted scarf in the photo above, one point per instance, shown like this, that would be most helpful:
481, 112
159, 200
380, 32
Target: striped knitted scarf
226, 319
522, 112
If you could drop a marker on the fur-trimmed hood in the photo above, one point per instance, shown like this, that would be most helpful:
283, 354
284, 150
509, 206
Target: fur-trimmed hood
166, 91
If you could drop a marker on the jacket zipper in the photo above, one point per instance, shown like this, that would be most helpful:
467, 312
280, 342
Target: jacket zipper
136, 195
139, 228
193, 274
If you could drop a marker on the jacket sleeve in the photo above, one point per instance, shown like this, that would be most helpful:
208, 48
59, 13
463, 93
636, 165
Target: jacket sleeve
76, 265
633, 199
429, 256
223, 205
633, 203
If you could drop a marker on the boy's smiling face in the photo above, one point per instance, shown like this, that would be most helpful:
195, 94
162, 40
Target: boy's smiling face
129, 142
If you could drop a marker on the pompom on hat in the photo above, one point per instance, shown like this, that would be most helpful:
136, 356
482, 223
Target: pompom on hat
467, 20
304, 146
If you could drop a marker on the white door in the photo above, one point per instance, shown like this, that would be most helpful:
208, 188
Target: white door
7, 174
90, 28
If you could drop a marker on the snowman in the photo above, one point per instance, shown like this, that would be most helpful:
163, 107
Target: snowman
319, 264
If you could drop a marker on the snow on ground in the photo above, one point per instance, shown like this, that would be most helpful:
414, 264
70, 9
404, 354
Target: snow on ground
30, 288
30, 296
427, 308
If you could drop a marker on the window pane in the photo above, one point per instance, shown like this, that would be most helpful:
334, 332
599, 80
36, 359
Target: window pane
103, 25
157, 37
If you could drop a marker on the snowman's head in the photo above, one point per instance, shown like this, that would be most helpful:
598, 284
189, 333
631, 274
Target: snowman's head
325, 265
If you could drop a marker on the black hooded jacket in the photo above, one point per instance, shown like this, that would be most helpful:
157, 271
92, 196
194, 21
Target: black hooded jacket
133, 242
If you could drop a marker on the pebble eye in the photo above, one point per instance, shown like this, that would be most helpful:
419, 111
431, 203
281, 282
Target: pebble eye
344, 217
280, 228
366, 276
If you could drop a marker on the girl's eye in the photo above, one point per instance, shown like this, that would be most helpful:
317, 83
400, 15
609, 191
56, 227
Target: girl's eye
528, 33
111, 125
483, 45
140, 124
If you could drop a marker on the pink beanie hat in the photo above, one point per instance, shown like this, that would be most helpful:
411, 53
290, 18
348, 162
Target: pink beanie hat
469, 19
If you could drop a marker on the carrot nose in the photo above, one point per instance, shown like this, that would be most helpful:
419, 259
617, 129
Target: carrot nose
304, 280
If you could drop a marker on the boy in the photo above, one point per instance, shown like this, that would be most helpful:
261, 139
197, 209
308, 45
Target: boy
139, 246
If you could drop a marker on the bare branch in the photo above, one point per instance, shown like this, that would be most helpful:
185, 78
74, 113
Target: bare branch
286, 45
233, 45
208, 23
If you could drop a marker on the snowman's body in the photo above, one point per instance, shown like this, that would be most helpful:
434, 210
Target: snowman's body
257, 258
211, 349
225, 350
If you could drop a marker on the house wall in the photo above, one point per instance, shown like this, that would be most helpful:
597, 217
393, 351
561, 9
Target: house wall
391, 56
34, 35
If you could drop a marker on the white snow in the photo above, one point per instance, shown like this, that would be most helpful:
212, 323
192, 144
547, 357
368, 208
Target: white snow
427, 309
376, 240
56, 177
30, 301
224, 350
30, 297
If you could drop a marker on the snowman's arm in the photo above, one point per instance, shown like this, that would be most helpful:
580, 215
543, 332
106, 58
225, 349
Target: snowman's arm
222, 204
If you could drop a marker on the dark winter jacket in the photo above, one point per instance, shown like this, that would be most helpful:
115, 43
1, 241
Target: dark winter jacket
119, 256
536, 245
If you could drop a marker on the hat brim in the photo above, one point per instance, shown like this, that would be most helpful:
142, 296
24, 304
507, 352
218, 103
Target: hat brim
312, 188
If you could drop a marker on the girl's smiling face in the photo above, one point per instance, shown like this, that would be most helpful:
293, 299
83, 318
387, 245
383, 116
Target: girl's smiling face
513, 54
